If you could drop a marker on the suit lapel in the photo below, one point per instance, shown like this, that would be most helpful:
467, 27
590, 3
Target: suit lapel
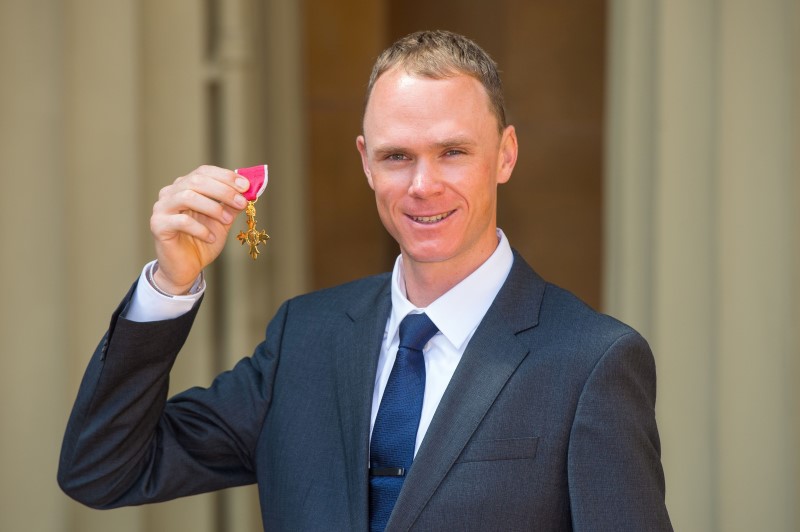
492, 356
357, 351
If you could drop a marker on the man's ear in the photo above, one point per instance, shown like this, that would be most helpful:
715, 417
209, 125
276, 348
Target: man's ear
508, 154
361, 144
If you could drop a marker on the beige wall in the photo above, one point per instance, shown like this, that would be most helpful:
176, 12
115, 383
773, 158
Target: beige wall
103, 102
702, 228
32, 333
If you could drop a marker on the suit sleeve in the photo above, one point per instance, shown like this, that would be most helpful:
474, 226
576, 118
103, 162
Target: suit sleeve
616, 481
125, 444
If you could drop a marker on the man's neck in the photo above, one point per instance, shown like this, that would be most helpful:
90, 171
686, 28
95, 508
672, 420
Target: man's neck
428, 281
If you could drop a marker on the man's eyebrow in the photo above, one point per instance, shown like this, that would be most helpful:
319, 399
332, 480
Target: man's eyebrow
452, 142
386, 150
456, 141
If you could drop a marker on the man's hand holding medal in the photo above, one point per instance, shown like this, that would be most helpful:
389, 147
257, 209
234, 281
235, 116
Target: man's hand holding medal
193, 216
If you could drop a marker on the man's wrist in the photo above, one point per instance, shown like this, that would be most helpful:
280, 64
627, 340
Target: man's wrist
150, 303
165, 289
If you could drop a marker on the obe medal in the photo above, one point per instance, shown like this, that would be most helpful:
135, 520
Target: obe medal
258, 177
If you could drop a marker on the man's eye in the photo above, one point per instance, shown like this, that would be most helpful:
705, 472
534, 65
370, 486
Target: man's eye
397, 157
450, 153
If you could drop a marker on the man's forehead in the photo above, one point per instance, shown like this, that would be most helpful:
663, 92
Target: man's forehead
406, 76
398, 89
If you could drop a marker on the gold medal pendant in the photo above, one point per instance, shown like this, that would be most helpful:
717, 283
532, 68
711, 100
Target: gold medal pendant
258, 177
253, 237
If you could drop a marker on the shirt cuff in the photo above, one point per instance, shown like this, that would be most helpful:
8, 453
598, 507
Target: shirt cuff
148, 303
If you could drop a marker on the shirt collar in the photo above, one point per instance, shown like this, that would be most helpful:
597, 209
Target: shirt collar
458, 311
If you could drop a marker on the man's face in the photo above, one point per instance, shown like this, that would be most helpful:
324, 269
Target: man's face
432, 153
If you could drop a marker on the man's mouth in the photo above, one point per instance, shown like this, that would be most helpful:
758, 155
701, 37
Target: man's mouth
431, 219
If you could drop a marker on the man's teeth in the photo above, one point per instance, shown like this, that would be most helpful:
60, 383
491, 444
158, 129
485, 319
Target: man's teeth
431, 219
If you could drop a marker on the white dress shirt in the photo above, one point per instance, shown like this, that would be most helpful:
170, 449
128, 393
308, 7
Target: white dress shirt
456, 313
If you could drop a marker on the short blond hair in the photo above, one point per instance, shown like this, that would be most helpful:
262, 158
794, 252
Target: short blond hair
439, 54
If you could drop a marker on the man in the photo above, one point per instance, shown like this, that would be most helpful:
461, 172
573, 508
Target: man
460, 393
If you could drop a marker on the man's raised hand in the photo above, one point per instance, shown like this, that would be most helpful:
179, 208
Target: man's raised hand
191, 221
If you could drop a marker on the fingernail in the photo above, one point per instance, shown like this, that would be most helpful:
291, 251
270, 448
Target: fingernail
242, 183
227, 217
240, 201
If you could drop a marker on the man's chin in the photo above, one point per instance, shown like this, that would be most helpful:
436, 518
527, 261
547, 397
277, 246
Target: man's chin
427, 256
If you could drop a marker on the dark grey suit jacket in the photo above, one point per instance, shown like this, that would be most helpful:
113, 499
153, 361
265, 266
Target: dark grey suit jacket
547, 424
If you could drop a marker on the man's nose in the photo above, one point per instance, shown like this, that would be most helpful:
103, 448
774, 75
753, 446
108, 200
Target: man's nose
426, 181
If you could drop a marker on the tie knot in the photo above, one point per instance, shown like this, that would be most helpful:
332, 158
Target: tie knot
416, 330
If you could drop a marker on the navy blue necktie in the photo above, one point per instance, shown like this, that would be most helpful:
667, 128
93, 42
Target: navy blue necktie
395, 432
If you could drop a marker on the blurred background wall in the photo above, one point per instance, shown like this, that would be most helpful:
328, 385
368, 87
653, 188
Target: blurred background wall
658, 179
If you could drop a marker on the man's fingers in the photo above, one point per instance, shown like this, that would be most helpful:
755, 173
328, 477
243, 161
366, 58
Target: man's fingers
191, 226
177, 201
223, 175
189, 200
219, 184
241, 183
232, 212
168, 226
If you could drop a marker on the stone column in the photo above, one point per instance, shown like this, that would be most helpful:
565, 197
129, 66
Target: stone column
757, 313
33, 335
703, 245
